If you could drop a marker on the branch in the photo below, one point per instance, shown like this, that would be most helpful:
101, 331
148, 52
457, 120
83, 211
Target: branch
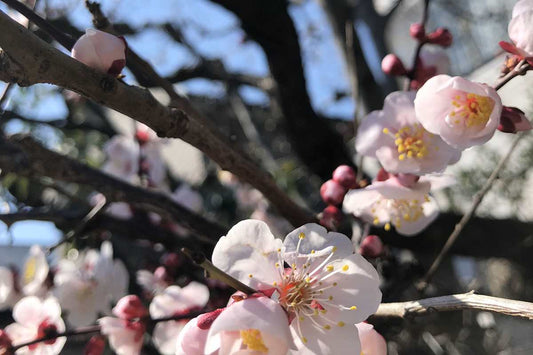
476, 201
455, 303
22, 155
27, 60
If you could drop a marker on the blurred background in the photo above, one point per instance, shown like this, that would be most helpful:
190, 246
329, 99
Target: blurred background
288, 81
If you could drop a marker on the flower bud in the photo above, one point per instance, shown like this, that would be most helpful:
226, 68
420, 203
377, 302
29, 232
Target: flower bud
513, 120
332, 192
417, 31
331, 217
392, 65
95, 345
345, 176
407, 180
382, 175
130, 307
101, 51
371, 247
441, 36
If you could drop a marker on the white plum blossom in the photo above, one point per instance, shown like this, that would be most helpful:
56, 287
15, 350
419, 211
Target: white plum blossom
401, 144
520, 30
386, 203
34, 319
325, 291
122, 158
101, 51
461, 112
254, 325
8, 294
175, 300
372, 343
87, 285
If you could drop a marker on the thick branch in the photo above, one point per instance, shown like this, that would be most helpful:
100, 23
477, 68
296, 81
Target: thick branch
455, 303
30, 60
269, 23
23, 155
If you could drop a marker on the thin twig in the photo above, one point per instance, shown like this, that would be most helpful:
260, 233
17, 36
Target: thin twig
215, 273
419, 46
455, 303
520, 69
478, 198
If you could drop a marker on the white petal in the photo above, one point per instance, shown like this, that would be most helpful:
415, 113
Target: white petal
249, 253
317, 238
165, 335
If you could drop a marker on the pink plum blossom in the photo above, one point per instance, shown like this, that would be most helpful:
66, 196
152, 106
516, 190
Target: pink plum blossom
193, 337
126, 332
254, 325
101, 51
34, 319
325, 291
175, 300
461, 112
387, 203
521, 31
372, 343
401, 144
87, 284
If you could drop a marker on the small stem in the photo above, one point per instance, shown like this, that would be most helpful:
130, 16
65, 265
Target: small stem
215, 273
410, 75
520, 69
478, 197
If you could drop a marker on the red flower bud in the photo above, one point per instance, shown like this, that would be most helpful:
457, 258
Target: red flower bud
513, 120
95, 345
345, 176
205, 320
392, 65
417, 31
371, 247
441, 36
332, 192
130, 307
331, 217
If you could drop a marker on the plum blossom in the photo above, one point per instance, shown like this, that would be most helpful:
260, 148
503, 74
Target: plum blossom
8, 294
520, 31
193, 336
325, 291
513, 120
123, 158
372, 343
101, 51
401, 144
35, 319
155, 282
126, 332
175, 300
386, 203
87, 284
254, 325
461, 112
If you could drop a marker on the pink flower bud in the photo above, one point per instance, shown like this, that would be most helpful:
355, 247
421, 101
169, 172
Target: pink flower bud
371, 247
392, 65
417, 31
513, 120
130, 307
332, 192
441, 36
345, 176
95, 345
331, 217
382, 175
101, 51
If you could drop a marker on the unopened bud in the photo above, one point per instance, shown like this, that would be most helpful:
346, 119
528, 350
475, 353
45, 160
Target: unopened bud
371, 247
392, 65
441, 36
345, 176
331, 217
95, 345
513, 120
332, 192
101, 51
130, 307
417, 31
382, 175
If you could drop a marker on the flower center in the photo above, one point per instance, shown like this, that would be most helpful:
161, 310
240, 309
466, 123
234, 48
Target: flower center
470, 110
400, 210
253, 340
410, 141
30, 268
